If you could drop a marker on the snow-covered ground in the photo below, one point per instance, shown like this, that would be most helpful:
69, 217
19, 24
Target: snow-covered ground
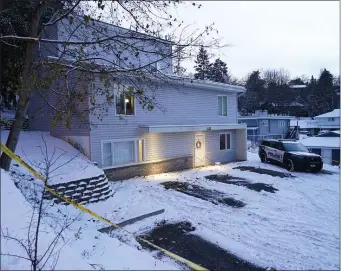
295, 228
68, 163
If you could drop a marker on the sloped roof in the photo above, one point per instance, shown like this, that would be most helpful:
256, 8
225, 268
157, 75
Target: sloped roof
332, 114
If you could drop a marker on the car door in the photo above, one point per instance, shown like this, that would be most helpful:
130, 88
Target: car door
279, 152
270, 151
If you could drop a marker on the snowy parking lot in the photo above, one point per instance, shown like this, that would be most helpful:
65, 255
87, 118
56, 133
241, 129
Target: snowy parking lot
295, 226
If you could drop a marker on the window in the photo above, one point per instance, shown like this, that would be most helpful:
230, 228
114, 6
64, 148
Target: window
264, 122
330, 119
225, 141
222, 106
295, 147
282, 123
118, 152
125, 102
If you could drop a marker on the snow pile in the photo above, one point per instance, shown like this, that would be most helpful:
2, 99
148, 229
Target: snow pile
91, 250
69, 164
320, 142
252, 146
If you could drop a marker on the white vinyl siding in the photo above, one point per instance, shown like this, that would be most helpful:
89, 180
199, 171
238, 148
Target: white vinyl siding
122, 152
222, 106
184, 106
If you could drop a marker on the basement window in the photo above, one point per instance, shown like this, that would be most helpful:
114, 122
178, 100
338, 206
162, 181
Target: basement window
122, 152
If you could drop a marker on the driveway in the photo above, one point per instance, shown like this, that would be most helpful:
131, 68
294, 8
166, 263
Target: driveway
284, 222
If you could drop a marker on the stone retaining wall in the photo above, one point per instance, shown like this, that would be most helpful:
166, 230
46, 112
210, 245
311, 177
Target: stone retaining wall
144, 169
82, 191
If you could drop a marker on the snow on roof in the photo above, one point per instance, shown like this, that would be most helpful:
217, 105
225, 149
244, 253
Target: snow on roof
73, 164
327, 142
332, 114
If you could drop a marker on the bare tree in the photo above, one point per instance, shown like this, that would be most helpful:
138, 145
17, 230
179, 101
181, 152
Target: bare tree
276, 76
42, 251
91, 53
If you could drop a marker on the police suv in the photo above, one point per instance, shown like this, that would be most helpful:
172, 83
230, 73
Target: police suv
290, 154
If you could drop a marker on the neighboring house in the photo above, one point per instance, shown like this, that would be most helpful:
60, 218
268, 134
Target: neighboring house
263, 125
328, 121
327, 145
199, 127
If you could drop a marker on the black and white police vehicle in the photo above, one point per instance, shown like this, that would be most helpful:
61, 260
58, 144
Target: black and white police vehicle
290, 154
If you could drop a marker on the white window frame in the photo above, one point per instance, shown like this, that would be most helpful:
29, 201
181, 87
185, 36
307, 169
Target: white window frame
330, 119
119, 91
136, 154
226, 133
222, 110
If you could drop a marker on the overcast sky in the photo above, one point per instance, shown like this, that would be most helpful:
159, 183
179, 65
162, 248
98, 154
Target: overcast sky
302, 37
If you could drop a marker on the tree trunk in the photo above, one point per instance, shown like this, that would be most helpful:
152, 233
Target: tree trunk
25, 92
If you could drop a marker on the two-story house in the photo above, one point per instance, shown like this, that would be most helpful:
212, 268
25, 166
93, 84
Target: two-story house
198, 126
262, 125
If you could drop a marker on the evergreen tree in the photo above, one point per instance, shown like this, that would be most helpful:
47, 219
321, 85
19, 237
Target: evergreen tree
255, 93
202, 67
325, 92
219, 72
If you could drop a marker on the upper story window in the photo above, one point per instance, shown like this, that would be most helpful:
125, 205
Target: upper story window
125, 104
330, 119
264, 122
222, 106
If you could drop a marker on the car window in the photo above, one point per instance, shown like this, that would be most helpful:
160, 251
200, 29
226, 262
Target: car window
279, 146
265, 143
294, 147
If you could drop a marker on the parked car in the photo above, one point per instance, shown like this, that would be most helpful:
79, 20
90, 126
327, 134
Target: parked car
290, 154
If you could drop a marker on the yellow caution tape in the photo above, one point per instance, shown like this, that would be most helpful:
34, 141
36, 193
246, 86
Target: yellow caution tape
86, 210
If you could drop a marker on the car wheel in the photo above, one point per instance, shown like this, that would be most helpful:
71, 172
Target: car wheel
263, 158
290, 165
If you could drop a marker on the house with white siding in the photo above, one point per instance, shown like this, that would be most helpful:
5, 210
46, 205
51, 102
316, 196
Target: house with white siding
198, 125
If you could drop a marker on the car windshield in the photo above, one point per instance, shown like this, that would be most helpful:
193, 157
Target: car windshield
295, 147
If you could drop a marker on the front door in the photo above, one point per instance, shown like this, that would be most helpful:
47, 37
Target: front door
199, 150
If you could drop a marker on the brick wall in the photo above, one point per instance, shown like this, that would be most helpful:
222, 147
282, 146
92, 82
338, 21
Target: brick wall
168, 165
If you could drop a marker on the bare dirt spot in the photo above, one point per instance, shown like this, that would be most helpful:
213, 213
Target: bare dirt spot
199, 192
227, 179
265, 171
178, 239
